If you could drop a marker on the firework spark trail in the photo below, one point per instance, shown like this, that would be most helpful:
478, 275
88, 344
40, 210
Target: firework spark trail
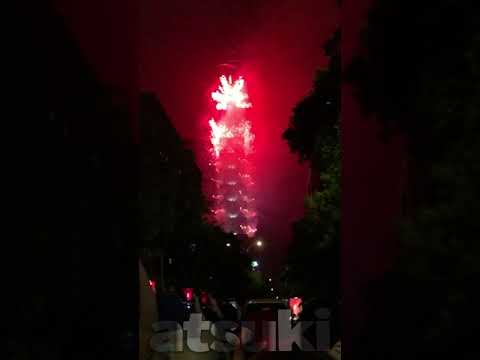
232, 143
229, 93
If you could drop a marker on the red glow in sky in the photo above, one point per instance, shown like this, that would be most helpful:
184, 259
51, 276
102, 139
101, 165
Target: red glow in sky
278, 44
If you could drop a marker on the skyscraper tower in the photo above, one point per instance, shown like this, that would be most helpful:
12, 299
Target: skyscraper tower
232, 145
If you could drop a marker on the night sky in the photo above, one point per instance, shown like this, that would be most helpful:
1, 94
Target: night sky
279, 46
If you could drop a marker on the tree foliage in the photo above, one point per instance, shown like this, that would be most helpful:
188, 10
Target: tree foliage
315, 118
314, 135
420, 77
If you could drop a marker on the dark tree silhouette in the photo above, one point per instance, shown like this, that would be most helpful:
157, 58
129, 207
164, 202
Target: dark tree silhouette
420, 77
313, 261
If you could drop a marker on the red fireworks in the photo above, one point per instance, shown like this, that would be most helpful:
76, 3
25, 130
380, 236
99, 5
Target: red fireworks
232, 143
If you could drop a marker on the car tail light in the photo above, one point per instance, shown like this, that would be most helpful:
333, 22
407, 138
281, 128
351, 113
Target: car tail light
294, 304
188, 293
152, 285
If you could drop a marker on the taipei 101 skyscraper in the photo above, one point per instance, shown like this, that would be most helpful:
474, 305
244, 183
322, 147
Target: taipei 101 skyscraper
231, 140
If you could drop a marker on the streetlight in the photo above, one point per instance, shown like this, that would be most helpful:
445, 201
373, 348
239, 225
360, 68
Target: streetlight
258, 244
254, 264
228, 244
